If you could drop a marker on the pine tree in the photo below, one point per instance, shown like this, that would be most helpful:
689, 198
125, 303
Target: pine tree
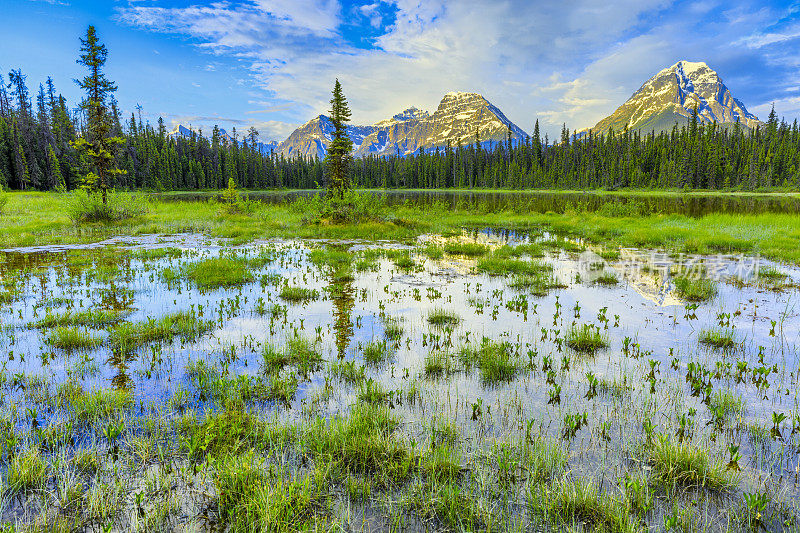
97, 144
56, 178
338, 158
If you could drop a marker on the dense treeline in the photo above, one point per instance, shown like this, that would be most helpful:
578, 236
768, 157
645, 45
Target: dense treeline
36, 152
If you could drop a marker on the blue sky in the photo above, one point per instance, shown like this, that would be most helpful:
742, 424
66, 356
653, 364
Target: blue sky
271, 63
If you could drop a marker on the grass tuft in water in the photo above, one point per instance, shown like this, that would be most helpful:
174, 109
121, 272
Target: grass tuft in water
218, 272
501, 266
586, 338
348, 371
93, 318
467, 249
694, 289
579, 501
298, 294
393, 328
538, 284
681, 464
71, 339
726, 402
375, 352
719, 338
362, 443
497, 361
254, 498
27, 471
443, 317
449, 504
129, 336
440, 363
607, 279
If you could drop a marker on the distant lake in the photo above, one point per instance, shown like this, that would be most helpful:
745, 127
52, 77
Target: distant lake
694, 205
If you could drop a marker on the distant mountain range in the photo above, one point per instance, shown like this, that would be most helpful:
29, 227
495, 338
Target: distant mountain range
667, 98
182, 131
456, 120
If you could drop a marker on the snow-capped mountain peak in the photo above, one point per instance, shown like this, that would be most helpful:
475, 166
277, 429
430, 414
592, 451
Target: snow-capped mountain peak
456, 120
672, 95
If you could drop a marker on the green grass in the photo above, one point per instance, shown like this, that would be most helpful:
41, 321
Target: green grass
694, 290
433, 251
440, 363
586, 338
497, 361
218, 272
128, 336
27, 471
772, 274
726, 401
298, 294
36, 218
91, 318
443, 317
501, 266
372, 392
402, 260
375, 352
581, 502
539, 284
70, 339
719, 338
94, 405
467, 249
252, 497
393, 328
348, 371
675, 464
607, 279
519, 250
299, 352
330, 258
233, 432
451, 505
361, 442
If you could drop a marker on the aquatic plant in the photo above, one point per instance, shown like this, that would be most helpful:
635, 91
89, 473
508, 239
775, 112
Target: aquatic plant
586, 338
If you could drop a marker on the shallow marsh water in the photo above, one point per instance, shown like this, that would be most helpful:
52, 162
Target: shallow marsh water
654, 368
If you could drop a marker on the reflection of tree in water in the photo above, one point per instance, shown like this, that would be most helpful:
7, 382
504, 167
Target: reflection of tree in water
342, 292
119, 359
114, 297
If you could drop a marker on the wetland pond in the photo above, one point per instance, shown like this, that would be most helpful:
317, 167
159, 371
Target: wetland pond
523, 381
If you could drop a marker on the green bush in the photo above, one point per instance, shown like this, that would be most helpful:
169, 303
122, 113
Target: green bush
233, 203
84, 207
354, 207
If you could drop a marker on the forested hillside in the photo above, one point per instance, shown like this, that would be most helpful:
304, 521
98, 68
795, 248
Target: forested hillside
36, 153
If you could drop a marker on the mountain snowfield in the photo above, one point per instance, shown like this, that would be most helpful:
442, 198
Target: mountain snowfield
671, 95
667, 98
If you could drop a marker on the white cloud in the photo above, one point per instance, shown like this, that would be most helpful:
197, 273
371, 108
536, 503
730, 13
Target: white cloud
571, 62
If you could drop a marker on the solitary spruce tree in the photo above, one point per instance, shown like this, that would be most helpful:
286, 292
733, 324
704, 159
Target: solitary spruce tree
97, 143
337, 161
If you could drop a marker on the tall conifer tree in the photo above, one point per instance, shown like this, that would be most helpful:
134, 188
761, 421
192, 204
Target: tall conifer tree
338, 158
